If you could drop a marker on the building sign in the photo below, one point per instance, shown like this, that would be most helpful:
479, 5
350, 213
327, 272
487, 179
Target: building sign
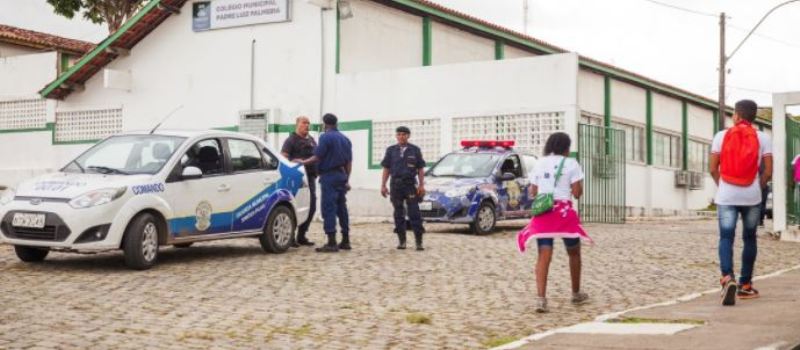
216, 14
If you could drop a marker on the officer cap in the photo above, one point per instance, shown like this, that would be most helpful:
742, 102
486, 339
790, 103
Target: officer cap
404, 129
329, 119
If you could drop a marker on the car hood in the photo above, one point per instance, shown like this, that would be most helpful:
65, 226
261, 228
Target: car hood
71, 185
442, 184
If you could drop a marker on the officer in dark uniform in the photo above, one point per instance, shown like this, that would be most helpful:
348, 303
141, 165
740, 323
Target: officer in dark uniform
334, 155
404, 164
300, 145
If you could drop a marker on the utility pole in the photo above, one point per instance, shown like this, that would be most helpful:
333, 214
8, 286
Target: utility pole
525, 16
722, 61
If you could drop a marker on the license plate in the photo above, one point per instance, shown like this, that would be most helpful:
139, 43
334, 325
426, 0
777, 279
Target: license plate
28, 220
425, 206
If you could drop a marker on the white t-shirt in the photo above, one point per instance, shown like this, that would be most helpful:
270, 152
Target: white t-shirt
544, 176
728, 194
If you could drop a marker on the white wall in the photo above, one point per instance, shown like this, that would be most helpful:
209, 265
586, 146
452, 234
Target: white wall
8, 50
25, 75
510, 52
701, 122
379, 37
448, 91
628, 102
591, 92
667, 113
451, 45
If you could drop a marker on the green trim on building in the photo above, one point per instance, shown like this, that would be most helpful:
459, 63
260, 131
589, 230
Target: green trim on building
338, 41
63, 61
13, 131
685, 135
100, 48
607, 101
499, 50
716, 123
427, 41
234, 128
648, 128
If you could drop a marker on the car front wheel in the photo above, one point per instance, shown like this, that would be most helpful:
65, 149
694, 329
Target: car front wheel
31, 254
141, 242
278, 232
485, 219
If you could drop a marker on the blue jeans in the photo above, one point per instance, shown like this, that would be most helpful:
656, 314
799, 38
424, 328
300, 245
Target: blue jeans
728, 215
334, 203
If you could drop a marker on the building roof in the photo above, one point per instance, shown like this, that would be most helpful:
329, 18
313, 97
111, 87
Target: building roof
156, 11
42, 41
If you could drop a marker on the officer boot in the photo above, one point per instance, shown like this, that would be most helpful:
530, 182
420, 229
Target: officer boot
331, 246
401, 238
418, 240
345, 244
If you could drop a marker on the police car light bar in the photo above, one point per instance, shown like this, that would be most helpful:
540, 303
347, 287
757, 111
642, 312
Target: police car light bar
487, 143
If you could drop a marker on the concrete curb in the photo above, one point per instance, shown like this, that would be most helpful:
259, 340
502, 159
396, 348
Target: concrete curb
606, 317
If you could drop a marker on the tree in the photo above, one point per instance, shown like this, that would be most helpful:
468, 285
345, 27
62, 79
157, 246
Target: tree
112, 12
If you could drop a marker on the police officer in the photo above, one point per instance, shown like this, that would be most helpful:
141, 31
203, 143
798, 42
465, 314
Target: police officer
404, 164
300, 145
334, 155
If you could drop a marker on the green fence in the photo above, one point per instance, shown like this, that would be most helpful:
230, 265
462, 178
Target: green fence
601, 152
792, 191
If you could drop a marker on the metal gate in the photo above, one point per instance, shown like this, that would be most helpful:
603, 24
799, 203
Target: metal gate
601, 153
792, 190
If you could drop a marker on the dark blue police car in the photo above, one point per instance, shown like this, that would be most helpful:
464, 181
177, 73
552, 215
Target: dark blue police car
484, 182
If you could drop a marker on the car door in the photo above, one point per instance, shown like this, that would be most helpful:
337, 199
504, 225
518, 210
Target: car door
515, 190
200, 206
254, 183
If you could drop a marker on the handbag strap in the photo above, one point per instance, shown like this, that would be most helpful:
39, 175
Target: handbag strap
558, 172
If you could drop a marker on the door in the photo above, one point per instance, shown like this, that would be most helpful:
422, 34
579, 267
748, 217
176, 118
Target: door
601, 153
201, 206
253, 186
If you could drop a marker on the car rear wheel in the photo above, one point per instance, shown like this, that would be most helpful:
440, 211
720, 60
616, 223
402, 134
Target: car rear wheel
278, 232
141, 242
31, 254
485, 219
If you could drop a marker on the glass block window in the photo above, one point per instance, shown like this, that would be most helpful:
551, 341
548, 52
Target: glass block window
666, 150
698, 156
425, 133
529, 131
87, 125
23, 114
634, 141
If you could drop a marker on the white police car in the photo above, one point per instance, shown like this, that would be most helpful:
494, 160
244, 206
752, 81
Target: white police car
140, 191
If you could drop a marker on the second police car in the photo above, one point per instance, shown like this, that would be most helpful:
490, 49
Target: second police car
484, 182
141, 191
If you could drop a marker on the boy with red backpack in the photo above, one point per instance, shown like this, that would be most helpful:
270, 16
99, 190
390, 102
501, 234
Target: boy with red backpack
736, 154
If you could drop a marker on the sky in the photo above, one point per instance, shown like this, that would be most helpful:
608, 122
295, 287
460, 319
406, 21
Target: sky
650, 37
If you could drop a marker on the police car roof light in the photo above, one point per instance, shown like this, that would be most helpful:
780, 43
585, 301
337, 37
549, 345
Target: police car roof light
487, 143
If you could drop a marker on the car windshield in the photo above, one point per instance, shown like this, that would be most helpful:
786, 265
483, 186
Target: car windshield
127, 155
466, 165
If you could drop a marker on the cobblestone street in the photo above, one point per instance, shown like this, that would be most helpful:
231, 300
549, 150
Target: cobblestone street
465, 291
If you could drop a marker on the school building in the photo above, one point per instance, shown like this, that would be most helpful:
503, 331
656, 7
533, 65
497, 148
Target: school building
254, 65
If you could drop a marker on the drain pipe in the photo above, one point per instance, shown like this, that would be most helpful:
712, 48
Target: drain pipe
252, 73
321, 62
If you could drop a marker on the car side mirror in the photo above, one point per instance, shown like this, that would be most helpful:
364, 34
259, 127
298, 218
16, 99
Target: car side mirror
508, 177
191, 172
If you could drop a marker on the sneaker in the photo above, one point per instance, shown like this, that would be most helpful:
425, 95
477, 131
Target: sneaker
541, 305
579, 298
728, 294
746, 291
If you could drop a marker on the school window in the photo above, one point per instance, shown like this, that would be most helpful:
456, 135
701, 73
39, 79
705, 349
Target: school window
698, 156
634, 141
666, 150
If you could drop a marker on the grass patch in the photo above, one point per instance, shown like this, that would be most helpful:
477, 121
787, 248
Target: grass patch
639, 320
494, 342
302, 331
418, 318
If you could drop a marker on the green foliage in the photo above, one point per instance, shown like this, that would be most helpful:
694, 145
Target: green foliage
112, 12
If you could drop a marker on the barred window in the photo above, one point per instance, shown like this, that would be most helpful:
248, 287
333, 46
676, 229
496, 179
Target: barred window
529, 130
87, 125
425, 133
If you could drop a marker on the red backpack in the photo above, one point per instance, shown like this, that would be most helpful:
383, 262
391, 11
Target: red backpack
738, 161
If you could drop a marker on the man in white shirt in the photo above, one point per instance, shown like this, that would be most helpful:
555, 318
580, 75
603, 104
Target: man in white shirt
733, 200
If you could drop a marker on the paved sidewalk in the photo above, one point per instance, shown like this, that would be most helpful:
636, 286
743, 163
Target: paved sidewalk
770, 322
